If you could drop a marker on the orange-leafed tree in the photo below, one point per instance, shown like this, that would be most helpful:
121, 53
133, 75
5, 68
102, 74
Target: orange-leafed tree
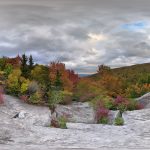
74, 78
113, 84
61, 77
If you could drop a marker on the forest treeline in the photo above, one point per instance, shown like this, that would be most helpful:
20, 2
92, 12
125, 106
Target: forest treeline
52, 84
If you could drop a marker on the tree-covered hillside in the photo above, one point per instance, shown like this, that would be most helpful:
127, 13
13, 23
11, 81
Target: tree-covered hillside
130, 81
136, 73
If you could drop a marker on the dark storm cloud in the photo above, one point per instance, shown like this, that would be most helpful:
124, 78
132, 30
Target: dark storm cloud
80, 33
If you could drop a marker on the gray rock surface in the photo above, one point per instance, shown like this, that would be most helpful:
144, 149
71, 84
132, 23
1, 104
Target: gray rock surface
77, 112
81, 113
31, 114
23, 133
145, 100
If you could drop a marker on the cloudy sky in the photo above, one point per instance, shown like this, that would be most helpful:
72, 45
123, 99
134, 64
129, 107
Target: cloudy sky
80, 33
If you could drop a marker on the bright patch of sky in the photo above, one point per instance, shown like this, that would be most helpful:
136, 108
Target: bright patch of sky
135, 26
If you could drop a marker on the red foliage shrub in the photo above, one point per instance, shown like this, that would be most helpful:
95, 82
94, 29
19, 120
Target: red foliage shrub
74, 78
102, 113
119, 100
121, 103
127, 104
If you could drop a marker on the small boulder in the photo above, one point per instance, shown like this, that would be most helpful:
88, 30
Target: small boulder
22, 115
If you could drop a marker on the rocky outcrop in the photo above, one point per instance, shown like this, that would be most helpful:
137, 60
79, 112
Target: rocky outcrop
80, 113
20, 111
145, 100
23, 132
76, 112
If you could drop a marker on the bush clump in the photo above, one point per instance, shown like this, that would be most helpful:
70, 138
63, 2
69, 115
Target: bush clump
124, 104
119, 121
102, 115
59, 123
62, 122
35, 98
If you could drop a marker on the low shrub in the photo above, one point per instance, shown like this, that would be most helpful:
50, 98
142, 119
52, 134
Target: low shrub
35, 98
121, 103
59, 97
119, 121
103, 120
102, 115
103, 101
124, 104
62, 122
54, 97
59, 123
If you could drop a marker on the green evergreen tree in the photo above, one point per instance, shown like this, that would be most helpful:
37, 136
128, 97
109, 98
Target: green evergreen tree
31, 62
24, 66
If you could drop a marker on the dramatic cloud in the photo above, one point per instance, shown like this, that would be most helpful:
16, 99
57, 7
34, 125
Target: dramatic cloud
80, 33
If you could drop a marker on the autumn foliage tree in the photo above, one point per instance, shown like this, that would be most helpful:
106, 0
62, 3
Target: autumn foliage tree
60, 76
114, 85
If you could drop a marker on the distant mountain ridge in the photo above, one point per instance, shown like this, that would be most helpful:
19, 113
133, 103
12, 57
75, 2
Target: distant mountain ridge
142, 67
129, 70
83, 75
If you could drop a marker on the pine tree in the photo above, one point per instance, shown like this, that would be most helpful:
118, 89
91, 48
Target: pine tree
31, 63
24, 60
24, 66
